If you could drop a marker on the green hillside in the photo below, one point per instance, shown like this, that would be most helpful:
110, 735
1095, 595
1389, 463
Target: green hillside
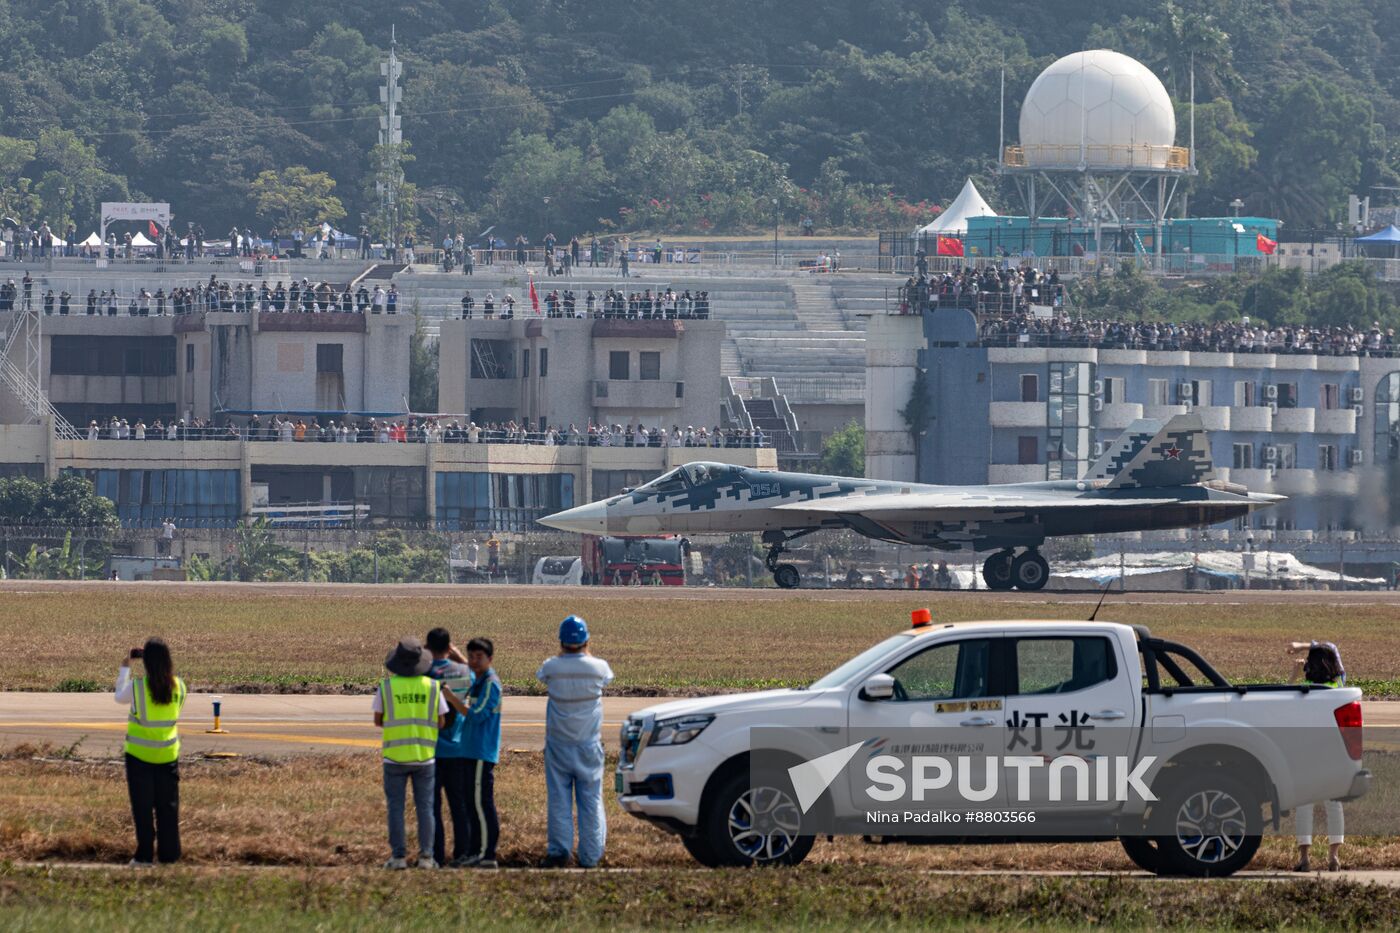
650, 115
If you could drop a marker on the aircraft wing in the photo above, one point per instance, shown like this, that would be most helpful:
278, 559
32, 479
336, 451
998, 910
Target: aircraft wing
953, 504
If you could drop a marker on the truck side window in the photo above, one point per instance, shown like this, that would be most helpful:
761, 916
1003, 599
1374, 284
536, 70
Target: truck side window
958, 670
1061, 665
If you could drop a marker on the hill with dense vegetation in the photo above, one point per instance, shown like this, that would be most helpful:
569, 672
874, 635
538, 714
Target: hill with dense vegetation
650, 115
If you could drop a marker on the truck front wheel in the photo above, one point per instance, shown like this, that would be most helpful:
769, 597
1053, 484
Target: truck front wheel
751, 825
1206, 825
1144, 853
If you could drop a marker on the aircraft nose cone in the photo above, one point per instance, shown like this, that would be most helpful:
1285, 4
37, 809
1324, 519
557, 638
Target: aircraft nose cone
591, 519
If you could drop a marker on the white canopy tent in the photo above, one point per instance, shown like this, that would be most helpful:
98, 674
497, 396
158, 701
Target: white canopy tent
953, 220
92, 240
141, 240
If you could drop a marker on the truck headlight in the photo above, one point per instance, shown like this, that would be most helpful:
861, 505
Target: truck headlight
678, 730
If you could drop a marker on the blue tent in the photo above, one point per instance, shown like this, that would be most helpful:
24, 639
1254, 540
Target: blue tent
1390, 237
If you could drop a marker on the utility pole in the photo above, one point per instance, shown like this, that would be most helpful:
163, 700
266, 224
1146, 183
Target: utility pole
390, 138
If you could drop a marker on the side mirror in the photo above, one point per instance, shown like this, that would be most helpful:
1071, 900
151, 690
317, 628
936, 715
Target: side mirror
878, 687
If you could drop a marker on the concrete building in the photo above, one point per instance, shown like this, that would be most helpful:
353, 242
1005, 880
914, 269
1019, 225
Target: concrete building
548, 372
1323, 430
198, 365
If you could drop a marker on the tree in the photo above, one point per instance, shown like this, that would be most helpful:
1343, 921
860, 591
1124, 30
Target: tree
297, 198
68, 500
843, 453
422, 368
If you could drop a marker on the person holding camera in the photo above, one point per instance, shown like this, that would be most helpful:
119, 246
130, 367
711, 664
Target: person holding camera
1318, 663
152, 751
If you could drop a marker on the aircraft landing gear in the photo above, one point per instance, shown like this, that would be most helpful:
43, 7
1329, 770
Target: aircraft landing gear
785, 575
1027, 572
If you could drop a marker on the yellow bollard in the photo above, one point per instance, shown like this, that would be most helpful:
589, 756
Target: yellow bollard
218, 729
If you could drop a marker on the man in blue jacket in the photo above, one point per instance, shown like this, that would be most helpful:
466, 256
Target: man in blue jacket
451, 779
481, 742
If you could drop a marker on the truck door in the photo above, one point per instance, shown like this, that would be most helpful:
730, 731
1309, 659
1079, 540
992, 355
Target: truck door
947, 704
1067, 695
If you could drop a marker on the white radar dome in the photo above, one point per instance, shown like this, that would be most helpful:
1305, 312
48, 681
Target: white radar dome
1098, 109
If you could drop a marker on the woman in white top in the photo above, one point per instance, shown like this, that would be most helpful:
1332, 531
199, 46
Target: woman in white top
172, 432
140, 430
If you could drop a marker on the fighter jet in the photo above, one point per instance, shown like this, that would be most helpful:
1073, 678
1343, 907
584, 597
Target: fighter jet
1154, 476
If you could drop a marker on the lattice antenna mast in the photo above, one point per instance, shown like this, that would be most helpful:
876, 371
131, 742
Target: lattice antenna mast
390, 138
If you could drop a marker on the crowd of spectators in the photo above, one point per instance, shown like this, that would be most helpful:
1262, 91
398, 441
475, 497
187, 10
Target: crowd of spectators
989, 290
1242, 336
421, 430
612, 304
302, 296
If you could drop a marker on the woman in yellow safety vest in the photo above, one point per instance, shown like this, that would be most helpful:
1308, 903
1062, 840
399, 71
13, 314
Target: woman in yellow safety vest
153, 751
1320, 665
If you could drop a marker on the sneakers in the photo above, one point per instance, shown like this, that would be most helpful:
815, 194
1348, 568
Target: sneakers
427, 861
135, 864
485, 863
464, 861
396, 864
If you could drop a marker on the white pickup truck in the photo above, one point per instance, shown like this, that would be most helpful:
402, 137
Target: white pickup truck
1225, 760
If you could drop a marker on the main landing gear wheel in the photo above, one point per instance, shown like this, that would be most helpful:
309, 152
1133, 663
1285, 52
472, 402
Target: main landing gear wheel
786, 576
1030, 571
996, 571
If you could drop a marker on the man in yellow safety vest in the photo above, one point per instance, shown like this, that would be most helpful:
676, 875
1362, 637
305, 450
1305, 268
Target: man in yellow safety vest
410, 707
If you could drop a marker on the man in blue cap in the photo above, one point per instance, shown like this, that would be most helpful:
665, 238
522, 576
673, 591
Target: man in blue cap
573, 746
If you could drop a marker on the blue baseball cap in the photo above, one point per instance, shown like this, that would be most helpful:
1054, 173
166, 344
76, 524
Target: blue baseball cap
573, 631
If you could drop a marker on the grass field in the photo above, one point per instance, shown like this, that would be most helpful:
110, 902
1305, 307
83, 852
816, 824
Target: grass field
326, 638
40, 901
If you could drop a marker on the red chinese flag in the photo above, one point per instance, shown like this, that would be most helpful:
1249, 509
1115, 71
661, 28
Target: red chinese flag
155, 232
949, 246
1265, 245
534, 297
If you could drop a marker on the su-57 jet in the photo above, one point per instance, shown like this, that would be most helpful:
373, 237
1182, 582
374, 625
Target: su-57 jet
1154, 476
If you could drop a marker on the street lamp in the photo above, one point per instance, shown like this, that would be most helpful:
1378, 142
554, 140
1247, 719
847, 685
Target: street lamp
775, 233
1236, 205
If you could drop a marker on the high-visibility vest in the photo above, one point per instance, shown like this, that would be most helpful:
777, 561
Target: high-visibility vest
152, 735
410, 718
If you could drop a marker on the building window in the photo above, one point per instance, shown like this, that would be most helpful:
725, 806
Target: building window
1288, 395
619, 366
92, 355
1244, 394
649, 365
189, 357
1157, 392
1331, 396
1200, 391
1027, 450
1286, 456
1387, 411
1068, 428
524, 364
1113, 390
330, 358
1244, 456
544, 362
491, 359
1030, 387
1327, 457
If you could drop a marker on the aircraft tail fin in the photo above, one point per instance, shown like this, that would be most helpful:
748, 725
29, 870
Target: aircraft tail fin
1151, 454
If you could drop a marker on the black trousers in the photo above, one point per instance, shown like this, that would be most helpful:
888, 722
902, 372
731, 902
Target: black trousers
452, 777
485, 826
155, 809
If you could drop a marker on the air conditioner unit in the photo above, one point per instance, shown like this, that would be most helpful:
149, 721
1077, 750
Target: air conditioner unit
1357, 456
1271, 392
1100, 447
1357, 409
1273, 407
1186, 391
1098, 404
1098, 387
1270, 454
1356, 395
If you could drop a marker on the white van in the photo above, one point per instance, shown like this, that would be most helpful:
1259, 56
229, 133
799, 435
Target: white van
567, 570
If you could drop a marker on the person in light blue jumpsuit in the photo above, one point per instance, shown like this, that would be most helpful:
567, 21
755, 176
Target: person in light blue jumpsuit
573, 746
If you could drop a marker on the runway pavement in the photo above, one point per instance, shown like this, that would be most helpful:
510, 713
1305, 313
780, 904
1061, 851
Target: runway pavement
280, 724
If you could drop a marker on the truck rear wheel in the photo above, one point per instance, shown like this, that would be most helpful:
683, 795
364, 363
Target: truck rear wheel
1144, 852
751, 825
1206, 825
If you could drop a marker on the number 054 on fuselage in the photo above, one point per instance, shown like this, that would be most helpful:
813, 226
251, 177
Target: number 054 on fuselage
1154, 476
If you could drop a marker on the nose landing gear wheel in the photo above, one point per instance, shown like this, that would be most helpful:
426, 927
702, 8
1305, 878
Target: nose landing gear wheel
786, 576
996, 571
1030, 571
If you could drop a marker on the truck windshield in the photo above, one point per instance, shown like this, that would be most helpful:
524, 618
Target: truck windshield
858, 663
